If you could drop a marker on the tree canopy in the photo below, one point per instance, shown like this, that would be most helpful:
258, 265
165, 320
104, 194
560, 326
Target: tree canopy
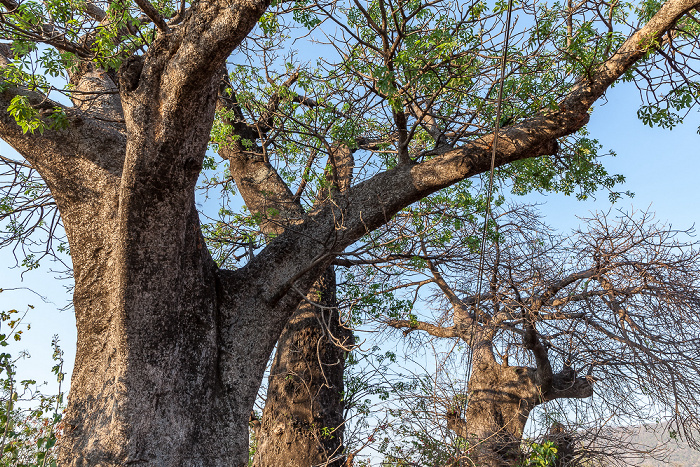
328, 118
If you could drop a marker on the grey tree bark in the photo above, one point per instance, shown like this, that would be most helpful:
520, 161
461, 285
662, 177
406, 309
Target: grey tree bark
499, 403
303, 420
171, 349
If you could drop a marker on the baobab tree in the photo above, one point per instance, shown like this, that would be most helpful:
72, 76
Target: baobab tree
172, 346
606, 315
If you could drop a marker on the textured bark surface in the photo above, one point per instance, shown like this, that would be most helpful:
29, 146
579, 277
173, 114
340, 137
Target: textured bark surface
171, 350
139, 377
302, 424
499, 402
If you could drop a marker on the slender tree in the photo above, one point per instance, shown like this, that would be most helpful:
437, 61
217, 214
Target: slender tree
172, 346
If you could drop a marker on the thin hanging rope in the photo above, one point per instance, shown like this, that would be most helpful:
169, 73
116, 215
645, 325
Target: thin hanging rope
490, 188
499, 100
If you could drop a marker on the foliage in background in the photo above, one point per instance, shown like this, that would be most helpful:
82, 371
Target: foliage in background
30, 421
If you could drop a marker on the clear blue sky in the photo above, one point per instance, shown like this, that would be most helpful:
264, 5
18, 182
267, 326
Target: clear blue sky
661, 167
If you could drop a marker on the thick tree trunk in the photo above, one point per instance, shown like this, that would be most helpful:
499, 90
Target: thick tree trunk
147, 359
152, 383
302, 423
499, 402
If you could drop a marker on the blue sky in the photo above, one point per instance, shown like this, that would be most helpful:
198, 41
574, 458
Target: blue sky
661, 167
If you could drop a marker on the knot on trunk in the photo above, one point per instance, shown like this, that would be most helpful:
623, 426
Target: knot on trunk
130, 73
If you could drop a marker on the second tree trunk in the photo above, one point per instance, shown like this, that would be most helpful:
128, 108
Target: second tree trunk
302, 423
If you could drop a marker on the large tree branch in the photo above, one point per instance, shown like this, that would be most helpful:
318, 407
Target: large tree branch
91, 134
263, 190
55, 151
169, 93
564, 387
153, 14
194, 52
436, 331
531, 341
333, 226
260, 185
